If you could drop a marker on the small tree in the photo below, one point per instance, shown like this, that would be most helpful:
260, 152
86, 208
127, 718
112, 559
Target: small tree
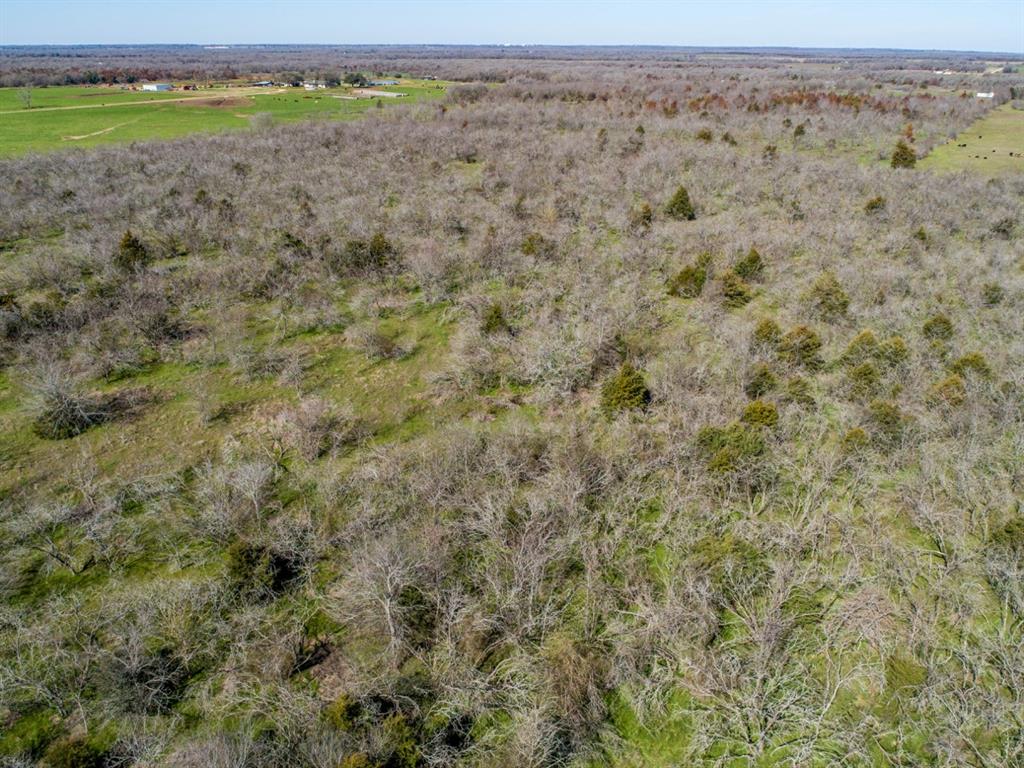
624, 391
131, 253
680, 207
903, 156
25, 96
735, 292
750, 266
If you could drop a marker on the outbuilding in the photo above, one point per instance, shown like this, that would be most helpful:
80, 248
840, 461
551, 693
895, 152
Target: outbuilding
156, 87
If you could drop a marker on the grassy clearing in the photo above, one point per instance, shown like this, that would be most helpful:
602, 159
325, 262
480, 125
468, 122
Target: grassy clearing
82, 96
391, 395
989, 144
112, 116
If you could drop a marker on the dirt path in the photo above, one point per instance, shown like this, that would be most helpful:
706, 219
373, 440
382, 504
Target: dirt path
100, 132
198, 95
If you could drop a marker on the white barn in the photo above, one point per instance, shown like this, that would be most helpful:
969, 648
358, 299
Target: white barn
156, 87
980, 95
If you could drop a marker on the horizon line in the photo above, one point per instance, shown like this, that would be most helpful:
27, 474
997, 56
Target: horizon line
677, 46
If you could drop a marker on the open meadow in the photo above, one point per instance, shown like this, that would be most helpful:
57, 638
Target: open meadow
586, 409
992, 145
76, 116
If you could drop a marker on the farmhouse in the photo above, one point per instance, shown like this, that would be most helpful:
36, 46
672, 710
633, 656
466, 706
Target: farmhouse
980, 95
383, 82
156, 87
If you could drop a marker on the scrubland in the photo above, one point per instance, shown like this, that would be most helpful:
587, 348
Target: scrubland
623, 414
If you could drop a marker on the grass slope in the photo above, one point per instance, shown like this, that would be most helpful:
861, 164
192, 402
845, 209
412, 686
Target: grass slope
113, 116
994, 145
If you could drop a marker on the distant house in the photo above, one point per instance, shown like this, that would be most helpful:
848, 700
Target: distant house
263, 84
313, 85
383, 82
156, 87
989, 95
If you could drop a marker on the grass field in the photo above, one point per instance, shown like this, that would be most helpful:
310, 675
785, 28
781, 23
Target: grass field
80, 95
989, 143
76, 116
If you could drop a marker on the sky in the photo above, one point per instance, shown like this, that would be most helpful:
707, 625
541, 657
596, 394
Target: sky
978, 25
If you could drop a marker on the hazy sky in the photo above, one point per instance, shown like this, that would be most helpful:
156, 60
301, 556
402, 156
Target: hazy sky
984, 25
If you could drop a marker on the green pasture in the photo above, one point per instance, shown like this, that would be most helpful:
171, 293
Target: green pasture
989, 141
81, 96
123, 118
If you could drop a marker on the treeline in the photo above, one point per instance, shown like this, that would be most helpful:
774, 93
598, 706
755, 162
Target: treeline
52, 65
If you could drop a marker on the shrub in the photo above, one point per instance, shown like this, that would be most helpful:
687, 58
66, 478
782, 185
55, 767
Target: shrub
1004, 563
74, 752
886, 421
760, 413
798, 390
992, 294
729, 448
828, 298
62, 409
626, 390
704, 134
356, 760
801, 346
729, 139
536, 244
864, 379
343, 712
972, 363
315, 427
493, 320
418, 616
733, 566
641, 216
376, 344
131, 253
689, 283
735, 291
874, 204
855, 440
294, 246
374, 254
893, 351
750, 266
400, 742
938, 327
680, 207
950, 391
258, 571
760, 380
863, 346
767, 334
1009, 539
903, 156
